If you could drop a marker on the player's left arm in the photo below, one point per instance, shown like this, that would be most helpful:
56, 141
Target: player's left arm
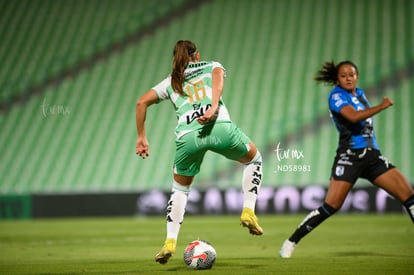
354, 116
142, 145
217, 90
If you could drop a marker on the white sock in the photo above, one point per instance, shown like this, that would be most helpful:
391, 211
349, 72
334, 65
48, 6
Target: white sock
252, 178
176, 209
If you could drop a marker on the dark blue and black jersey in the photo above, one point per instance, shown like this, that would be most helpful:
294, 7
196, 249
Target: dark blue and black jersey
352, 135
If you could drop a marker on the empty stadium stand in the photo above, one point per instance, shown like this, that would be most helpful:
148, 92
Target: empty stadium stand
72, 71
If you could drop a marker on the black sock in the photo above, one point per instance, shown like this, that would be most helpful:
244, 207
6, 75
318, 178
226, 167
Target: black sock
312, 220
409, 205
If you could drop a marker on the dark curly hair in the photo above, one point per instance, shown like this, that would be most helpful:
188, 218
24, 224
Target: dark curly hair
329, 72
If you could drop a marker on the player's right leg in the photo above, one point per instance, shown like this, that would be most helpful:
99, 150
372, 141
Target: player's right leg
251, 182
335, 197
228, 140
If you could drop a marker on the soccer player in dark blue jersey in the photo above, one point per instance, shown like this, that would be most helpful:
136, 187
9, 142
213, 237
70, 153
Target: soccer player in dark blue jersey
357, 154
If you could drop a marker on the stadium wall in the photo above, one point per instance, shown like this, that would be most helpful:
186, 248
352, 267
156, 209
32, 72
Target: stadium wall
283, 200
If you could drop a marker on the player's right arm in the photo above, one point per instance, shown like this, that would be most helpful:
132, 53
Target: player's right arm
217, 90
142, 145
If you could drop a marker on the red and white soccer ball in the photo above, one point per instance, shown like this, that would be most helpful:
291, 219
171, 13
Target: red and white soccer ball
199, 254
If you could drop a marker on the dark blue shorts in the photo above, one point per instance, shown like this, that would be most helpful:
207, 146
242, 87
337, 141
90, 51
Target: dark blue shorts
351, 164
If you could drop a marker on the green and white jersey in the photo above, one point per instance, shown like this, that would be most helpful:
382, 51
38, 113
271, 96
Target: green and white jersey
198, 98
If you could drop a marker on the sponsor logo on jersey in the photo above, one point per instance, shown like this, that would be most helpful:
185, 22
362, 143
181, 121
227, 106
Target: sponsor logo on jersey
355, 100
198, 112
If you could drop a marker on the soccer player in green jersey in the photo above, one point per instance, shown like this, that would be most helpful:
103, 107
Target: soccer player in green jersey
195, 89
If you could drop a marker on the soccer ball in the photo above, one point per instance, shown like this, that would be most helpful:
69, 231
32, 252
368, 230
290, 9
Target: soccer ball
199, 254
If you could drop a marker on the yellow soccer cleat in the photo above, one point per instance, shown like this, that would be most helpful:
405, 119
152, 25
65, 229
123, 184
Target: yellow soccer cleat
166, 251
248, 219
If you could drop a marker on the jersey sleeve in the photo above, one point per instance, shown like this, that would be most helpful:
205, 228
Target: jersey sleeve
216, 64
337, 101
161, 89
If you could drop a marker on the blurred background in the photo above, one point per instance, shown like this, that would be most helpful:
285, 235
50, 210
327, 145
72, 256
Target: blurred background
72, 70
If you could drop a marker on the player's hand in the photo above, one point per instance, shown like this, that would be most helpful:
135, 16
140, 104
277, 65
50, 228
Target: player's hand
386, 102
142, 147
210, 115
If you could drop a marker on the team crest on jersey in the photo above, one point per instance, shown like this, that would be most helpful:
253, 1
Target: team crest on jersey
339, 171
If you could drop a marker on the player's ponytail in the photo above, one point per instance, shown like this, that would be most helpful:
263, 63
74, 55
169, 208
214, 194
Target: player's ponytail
329, 72
183, 52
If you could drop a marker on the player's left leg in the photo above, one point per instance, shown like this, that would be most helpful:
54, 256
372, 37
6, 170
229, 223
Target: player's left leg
394, 182
188, 158
175, 215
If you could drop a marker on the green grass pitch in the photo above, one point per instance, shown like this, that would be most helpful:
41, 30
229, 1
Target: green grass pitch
344, 244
